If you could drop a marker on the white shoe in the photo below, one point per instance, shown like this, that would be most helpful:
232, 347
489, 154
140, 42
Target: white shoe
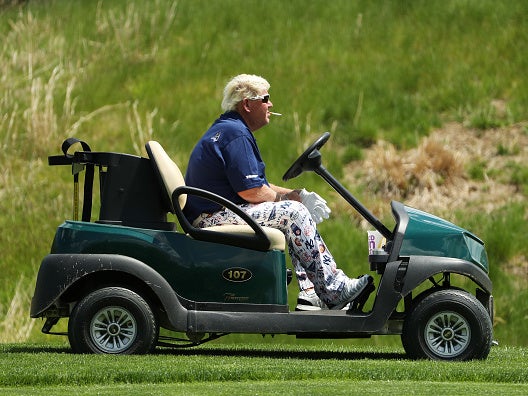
309, 302
351, 291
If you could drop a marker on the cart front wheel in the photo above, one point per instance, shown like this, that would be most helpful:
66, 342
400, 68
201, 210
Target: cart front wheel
448, 325
113, 320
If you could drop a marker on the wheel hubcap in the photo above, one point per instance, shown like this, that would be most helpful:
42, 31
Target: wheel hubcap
447, 334
113, 329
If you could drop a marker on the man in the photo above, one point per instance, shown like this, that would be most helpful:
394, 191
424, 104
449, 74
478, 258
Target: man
227, 161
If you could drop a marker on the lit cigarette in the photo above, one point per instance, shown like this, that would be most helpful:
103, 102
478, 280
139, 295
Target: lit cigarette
277, 114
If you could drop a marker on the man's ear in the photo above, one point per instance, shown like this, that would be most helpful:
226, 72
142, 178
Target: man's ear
245, 106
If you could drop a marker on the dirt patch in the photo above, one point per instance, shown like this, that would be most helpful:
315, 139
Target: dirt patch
453, 168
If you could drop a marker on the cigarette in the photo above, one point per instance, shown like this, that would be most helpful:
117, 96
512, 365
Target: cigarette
276, 114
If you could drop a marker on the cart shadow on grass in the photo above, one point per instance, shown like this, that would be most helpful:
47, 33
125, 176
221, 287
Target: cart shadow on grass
228, 352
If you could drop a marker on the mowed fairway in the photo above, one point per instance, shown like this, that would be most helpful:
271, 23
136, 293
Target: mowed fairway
251, 369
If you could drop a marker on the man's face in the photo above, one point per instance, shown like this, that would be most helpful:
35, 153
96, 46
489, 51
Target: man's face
258, 114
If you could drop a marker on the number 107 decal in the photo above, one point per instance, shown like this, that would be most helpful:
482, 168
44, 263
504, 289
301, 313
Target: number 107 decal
237, 274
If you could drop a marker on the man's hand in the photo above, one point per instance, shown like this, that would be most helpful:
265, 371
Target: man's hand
291, 196
316, 205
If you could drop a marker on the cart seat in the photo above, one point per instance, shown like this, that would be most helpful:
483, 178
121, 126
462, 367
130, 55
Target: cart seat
171, 178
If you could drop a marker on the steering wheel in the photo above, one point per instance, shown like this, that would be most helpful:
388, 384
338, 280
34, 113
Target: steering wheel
309, 160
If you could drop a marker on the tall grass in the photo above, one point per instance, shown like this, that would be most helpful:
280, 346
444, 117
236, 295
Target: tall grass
16, 326
118, 73
38, 109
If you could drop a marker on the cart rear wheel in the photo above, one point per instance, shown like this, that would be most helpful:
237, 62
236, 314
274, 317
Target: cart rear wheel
448, 325
113, 320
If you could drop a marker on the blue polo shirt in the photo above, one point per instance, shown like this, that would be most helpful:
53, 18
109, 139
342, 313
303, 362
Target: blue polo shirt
225, 160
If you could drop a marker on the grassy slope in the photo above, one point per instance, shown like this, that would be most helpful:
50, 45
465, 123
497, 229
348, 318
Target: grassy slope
116, 73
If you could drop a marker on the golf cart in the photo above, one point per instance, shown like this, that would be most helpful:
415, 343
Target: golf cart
121, 278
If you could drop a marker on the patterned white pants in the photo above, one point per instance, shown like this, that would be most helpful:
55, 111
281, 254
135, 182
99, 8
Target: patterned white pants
314, 265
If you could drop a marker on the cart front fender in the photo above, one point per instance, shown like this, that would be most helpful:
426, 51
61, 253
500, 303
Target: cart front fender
421, 268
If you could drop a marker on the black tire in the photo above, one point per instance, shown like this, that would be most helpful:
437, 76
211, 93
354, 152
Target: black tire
447, 324
113, 320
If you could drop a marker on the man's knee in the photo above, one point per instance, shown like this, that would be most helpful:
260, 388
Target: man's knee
297, 210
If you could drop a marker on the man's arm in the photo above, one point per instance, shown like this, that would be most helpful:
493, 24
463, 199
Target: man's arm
269, 193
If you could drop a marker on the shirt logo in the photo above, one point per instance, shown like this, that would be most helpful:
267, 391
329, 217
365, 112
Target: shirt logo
251, 176
216, 137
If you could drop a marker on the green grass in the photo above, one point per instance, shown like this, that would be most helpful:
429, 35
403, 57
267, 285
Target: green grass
117, 73
255, 369
304, 387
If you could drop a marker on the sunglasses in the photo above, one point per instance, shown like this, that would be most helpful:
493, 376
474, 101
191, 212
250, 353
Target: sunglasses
264, 98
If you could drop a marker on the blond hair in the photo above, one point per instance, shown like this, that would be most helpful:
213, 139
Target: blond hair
242, 87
